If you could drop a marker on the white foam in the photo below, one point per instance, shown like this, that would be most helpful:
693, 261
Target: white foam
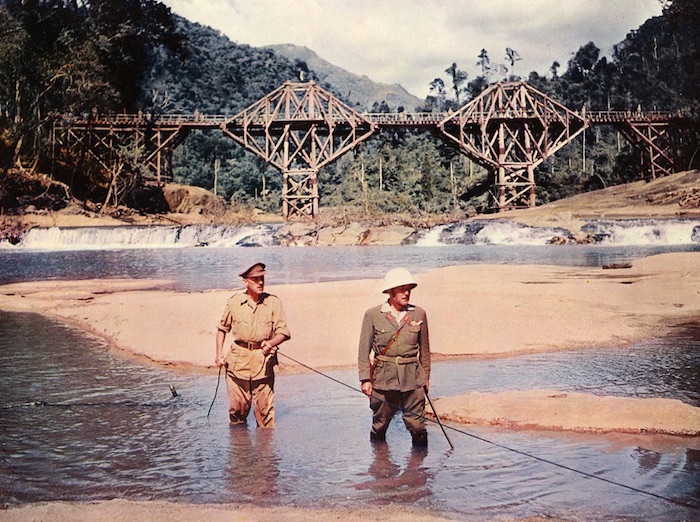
124, 237
475, 232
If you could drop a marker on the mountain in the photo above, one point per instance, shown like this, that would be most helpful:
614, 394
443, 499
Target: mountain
358, 90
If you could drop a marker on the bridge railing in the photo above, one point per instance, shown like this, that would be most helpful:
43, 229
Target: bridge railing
637, 116
389, 119
146, 119
405, 118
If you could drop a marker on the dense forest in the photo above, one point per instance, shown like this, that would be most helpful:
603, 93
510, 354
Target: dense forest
61, 57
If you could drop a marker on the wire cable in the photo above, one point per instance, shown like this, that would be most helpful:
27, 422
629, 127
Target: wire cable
513, 450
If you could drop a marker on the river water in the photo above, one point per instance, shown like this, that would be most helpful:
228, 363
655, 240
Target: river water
78, 422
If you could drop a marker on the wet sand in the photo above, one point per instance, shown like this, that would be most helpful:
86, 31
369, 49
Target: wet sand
123, 510
474, 311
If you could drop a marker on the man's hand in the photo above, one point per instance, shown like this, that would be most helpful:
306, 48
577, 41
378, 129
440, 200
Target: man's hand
266, 347
220, 360
367, 388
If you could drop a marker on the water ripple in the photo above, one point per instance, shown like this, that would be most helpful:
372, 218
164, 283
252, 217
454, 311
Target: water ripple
106, 428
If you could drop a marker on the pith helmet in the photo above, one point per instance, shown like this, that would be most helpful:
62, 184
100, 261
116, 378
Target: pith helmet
398, 277
258, 269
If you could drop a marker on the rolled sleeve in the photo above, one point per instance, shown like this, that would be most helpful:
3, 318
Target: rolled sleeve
226, 321
279, 320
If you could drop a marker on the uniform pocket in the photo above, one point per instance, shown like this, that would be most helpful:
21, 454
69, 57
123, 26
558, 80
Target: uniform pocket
382, 336
265, 329
412, 334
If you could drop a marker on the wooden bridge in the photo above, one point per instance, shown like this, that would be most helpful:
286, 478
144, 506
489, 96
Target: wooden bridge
509, 129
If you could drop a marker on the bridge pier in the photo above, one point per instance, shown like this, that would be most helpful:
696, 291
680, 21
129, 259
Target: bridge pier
300, 195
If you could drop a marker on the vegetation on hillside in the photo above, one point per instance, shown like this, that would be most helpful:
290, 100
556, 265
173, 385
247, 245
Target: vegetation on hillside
62, 57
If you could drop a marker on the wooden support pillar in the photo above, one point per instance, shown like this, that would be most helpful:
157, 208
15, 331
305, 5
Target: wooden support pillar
501, 189
285, 194
300, 194
501, 168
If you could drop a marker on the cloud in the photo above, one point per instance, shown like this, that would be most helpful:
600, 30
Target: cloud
411, 42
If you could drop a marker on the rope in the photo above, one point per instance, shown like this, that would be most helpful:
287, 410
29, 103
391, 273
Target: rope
218, 381
513, 450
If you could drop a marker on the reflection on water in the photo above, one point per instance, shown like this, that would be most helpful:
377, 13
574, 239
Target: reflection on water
78, 423
391, 482
253, 470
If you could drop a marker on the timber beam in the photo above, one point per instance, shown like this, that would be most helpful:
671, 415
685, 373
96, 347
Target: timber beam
653, 143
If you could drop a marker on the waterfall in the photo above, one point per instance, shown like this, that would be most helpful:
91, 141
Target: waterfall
628, 232
605, 232
105, 238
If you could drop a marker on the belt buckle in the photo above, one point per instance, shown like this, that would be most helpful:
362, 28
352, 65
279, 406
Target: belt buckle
398, 357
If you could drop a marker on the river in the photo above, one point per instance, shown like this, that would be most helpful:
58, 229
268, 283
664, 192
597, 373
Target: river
80, 423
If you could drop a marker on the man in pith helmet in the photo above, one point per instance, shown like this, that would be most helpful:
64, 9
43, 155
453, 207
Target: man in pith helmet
395, 334
257, 322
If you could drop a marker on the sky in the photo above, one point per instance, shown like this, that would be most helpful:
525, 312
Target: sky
412, 42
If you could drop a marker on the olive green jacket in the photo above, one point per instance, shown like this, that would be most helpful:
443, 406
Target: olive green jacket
378, 327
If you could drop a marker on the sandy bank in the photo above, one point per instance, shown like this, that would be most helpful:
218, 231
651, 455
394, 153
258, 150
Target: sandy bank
127, 511
669, 197
474, 310
556, 410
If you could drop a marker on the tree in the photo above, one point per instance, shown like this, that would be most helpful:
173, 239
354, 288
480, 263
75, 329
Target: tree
485, 63
125, 31
554, 69
582, 63
458, 78
438, 95
512, 56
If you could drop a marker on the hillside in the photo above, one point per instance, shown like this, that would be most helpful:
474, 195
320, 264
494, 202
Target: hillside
147, 60
357, 90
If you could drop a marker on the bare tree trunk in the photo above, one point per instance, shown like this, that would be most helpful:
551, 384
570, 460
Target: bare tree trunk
112, 192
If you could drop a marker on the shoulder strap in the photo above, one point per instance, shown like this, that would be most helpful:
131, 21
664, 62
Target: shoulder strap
396, 335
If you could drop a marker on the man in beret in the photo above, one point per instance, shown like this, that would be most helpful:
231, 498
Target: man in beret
258, 325
395, 335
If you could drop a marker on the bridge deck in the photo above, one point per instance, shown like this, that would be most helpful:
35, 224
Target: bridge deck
400, 119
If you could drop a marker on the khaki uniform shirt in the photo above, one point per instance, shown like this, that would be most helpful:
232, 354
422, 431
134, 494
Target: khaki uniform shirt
252, 322
378, 327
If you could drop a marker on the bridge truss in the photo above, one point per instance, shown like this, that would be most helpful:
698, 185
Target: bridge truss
509, 129
299, 128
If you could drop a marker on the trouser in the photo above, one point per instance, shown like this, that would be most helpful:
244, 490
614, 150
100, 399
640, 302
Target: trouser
385, 403
244, 393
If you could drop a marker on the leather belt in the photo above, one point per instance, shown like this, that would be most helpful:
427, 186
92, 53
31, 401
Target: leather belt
398, 359
250, 345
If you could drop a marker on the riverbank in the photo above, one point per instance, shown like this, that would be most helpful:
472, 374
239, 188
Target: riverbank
123, 510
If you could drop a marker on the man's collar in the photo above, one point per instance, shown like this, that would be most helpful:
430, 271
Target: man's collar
245, 298
387, 308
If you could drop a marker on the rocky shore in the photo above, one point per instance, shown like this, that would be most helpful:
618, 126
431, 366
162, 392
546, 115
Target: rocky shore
676, 196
